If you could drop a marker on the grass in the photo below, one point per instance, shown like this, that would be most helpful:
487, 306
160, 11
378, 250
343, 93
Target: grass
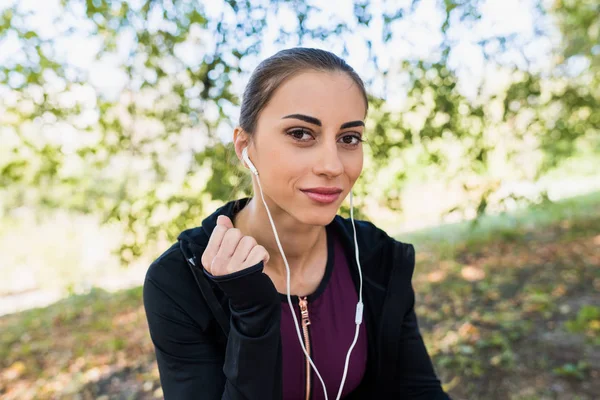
510, 303
508, 310
60, 349
506, 226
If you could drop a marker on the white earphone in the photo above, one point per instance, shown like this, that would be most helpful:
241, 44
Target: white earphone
247, 160
359, 305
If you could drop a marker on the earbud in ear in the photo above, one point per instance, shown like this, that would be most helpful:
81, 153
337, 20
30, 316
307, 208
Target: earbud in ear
248, 162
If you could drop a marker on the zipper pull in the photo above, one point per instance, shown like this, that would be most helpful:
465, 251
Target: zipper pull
304, 310
303, 302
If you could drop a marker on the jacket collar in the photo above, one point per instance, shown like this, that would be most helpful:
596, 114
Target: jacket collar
369, 237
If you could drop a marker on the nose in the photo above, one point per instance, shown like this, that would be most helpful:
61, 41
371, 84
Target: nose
328, 162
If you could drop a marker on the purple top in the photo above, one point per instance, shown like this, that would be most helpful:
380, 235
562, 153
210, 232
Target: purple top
331, 310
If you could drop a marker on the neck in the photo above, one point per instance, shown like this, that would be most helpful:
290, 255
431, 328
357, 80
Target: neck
298, 240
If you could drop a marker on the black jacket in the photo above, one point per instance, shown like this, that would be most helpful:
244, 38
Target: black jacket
215, 341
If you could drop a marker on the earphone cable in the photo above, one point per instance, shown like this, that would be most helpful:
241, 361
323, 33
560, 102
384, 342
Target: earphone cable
288, 285
359, 305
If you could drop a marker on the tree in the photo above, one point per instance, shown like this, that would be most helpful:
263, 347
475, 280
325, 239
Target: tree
151, 155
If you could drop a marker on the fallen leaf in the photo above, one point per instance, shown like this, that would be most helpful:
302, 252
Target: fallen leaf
436, 276
14, 371
472, 274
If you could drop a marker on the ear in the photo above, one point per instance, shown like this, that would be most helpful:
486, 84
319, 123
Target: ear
241, 139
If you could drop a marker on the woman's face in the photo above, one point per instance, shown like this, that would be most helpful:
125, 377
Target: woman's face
308, 143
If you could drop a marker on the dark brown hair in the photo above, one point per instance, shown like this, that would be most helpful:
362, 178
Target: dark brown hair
275, 70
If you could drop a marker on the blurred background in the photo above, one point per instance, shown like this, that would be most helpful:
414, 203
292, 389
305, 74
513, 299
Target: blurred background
116, 120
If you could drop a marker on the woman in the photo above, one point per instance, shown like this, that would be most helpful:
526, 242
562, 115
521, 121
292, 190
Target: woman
216, 300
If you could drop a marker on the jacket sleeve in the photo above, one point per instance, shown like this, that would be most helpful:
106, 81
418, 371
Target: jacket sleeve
416, 376
190, 361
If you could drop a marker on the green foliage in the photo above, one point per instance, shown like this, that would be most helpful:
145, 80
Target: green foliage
151, 155
571, 370
579, 22
587, 321
585, 315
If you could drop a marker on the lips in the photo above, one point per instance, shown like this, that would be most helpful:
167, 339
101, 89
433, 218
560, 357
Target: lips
323, 190
323, 195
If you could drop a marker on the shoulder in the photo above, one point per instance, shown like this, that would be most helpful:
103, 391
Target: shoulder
169, 267
170, 287
368, 235
378, 249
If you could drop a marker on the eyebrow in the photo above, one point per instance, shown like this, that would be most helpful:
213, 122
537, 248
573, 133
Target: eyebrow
316, 121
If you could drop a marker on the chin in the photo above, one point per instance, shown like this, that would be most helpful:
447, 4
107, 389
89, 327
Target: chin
318, 215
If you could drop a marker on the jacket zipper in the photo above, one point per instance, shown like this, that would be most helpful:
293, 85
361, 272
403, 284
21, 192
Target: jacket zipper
305, 323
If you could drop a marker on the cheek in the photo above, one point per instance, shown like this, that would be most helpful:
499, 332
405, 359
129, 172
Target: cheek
286, 166
353, 165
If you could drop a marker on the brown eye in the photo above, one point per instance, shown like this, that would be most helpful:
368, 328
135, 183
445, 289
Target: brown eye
300, 134
351, 140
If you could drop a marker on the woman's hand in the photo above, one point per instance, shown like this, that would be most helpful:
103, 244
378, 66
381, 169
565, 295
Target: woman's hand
229, 251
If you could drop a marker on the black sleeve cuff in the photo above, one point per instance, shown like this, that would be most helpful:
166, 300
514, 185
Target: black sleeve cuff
247, 288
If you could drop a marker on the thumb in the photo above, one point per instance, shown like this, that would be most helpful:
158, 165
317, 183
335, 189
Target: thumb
225, 221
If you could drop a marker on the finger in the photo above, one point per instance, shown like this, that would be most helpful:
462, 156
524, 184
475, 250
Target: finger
242, 251
229, 243
214, 242
226, 250
225, 221
257, 254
